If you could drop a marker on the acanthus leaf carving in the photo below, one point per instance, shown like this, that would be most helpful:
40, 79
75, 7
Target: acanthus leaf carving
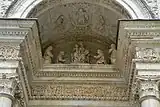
9, 52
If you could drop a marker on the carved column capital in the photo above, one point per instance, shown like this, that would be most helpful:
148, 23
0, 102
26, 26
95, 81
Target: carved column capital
147, 88
8, 84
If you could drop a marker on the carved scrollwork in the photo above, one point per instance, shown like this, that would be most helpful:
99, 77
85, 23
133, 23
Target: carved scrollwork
9, 52
80, 92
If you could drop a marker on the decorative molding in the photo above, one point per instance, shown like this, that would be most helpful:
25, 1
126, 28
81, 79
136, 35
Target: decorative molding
4, 5
79, 70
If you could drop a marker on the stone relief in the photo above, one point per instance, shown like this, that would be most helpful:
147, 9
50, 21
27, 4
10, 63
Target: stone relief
79, 54
48, 55
147, 53
80, 18
60, 23
100, 24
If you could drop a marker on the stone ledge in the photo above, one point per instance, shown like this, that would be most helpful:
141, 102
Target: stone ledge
78, 70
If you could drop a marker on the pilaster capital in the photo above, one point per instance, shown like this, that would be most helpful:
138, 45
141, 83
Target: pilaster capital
8, 84
147, 87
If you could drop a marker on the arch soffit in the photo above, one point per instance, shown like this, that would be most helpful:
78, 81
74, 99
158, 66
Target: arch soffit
22, 8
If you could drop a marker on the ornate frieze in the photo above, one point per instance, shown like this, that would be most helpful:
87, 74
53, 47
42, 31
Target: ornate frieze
147, 54
79, 92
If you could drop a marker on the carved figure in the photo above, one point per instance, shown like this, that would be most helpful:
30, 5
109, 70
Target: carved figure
100, 57
112, 54
75, 56
60, 23
101, 24
80, 54
48, 55
87, 55
60, 58
82, 17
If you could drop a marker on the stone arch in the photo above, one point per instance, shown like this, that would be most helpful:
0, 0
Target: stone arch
22, 8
